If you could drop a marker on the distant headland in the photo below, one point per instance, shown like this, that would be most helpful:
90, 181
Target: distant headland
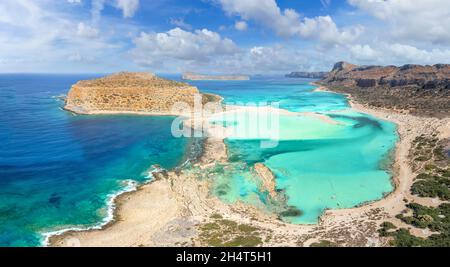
201, 77
418, 89
308, 75
128, 92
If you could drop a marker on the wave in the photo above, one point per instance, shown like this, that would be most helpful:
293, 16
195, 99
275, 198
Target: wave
130, 186
191, 156
60, 97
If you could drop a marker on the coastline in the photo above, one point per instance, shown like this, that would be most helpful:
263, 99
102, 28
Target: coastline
181, 201
78, 110
118, 112
408, 127
162, 197
109, 219
114, 199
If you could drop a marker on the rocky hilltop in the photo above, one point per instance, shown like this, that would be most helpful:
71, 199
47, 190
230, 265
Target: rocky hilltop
307, 75
201, 77
421, 90
131, 93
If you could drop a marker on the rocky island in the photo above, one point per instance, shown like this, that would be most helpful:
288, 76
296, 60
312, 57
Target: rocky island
201, 77
127, 92
420, 90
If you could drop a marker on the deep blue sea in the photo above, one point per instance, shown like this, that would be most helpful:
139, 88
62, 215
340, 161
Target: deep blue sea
58, 170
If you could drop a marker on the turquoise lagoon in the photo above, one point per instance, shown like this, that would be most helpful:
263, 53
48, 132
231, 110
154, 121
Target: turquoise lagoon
340, 162
59, 171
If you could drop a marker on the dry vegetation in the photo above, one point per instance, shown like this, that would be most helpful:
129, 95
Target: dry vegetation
430, 158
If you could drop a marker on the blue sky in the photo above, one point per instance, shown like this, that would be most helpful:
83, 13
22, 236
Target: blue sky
219, 36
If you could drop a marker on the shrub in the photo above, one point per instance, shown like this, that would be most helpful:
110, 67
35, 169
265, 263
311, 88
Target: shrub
385, 228
403, 238
323, 244
436, 187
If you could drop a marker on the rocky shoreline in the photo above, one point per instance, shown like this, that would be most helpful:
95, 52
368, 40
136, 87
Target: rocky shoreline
418, 90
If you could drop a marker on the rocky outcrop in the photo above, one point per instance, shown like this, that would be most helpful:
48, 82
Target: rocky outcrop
130, 93
200, 77
415, 76
268, 183
343, 66
423, 90
307, 75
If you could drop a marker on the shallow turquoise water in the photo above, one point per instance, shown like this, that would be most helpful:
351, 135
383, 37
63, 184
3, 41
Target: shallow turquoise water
290, 94
58, 170
318, 165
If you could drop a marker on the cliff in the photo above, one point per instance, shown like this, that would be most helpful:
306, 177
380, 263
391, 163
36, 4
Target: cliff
422, 90
200, 77
307, 75
130, 93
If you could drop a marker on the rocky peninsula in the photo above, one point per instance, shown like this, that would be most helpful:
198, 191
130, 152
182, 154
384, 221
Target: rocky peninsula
128, 92
416, 89
201, 77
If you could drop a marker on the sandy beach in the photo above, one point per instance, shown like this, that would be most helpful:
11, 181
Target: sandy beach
171, 210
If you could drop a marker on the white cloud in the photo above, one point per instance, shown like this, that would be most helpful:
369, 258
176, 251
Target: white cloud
324, 29
275, 59
206, 51
129, 7
363, 53
180, 23
96, 10
396, 32
410, 54
78, 57
196, 47
270, 58
28, 43
416, 20
25, 28
86, 31
288, 22
386, 53
241, 26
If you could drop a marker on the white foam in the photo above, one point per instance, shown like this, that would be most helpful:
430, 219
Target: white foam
131, 186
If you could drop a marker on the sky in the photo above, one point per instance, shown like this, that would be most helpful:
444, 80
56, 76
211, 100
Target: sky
219, 36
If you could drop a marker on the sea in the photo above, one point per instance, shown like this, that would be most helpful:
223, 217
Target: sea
62, 171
